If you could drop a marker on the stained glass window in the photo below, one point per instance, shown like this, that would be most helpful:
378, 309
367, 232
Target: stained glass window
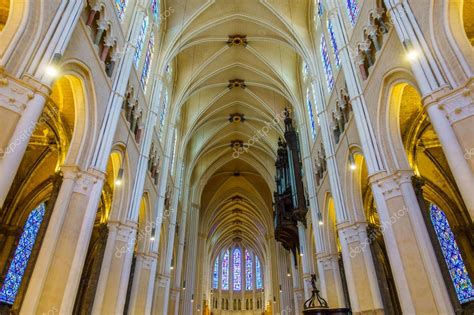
17, 268
148, 59
320, 7
173, 158
258, 274
215, 274
352, 7
155, 8
311, 116
237, 260
333, 43
140, 42
120, 5
452, 256
326, 63
248, 271
163, 113
225, 271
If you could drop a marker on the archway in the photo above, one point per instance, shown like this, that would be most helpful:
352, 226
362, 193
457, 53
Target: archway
375, 238
419, 147
98, 242
468, 19
337, 292
4, 13
54, 139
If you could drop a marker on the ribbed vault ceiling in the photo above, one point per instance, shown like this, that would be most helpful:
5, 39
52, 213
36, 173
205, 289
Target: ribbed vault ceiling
235, 194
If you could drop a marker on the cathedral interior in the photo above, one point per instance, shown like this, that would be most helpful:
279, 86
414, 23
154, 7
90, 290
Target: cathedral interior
236, 157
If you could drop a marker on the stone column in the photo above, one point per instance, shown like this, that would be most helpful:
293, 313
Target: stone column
419, 282
285, 287
359, 269
113, 281
191, 248
160, 298
296, 286
272, 279
170, 249
180, 259
173, 303
451, 111
305, 264
330, 279
58, 268
26, 98
143, 283
452, 117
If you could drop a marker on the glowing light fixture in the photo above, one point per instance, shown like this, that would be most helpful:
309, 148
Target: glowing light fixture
411, 52
352, 164
152, 237
52, 69
119, 179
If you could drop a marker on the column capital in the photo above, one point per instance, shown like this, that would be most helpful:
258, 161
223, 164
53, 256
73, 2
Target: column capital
456, 104
389, 184
147, 259
84, 180
124, 231
327, 260
353, 232
16, 94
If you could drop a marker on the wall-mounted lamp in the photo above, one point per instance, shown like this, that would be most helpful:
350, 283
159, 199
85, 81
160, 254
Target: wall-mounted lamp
119, 179
152, 237
52, 69
352, 164
412, 53
320, 218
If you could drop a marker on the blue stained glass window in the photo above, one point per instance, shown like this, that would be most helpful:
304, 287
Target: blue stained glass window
173, 158
215, 274
148, 59
140, 42
311, 116
326, 63
352, 7
120, 6
237, 260
248, 271
163, 113
333, 43
452, 256
155, 8
258, 273
17, 268
320, 8
225, 271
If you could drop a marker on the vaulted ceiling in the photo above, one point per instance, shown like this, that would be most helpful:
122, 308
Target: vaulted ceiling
255, 75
